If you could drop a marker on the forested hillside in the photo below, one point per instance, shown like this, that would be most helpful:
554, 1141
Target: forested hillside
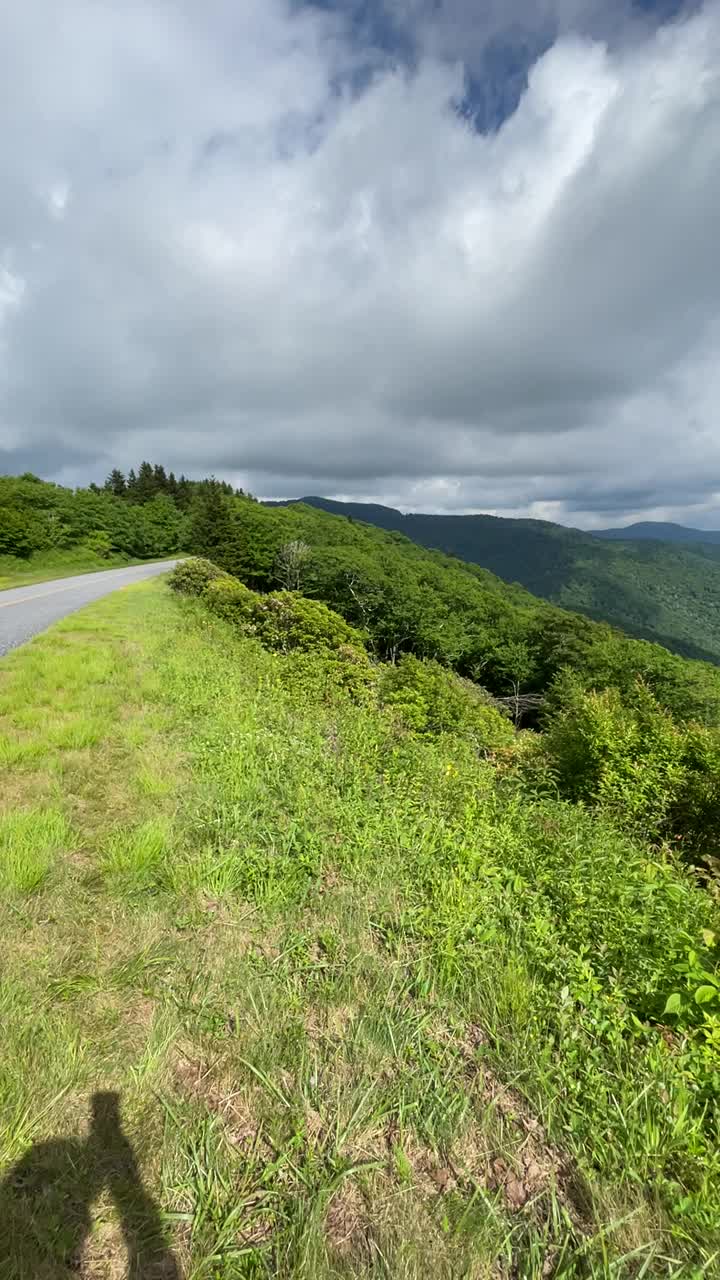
411, 600
141, 515
406, 598
668, 593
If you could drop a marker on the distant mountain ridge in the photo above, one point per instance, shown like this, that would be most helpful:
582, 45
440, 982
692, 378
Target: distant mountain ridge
663, 590
660, 531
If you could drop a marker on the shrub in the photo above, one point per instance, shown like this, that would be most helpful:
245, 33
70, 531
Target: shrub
18, 533
286, 621
231, 600
694, 818
191, 577
430, 699
320, 675
630, 759
99, 542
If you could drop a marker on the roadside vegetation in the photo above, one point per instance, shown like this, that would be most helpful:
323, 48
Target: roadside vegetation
48, 531
44, 566
387, 987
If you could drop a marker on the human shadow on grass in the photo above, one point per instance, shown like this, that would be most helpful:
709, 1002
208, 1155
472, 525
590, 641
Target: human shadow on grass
46, 1201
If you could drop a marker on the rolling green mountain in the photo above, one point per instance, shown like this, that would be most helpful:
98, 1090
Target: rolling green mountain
660, 531
660, 591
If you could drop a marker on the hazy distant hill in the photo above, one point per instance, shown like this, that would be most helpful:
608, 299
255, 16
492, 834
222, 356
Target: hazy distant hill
658, 531
664, 591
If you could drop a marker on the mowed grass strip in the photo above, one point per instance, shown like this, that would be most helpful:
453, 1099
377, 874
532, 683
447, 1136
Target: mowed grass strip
339, 980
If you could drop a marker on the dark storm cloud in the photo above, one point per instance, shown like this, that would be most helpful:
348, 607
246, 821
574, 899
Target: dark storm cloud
235, 239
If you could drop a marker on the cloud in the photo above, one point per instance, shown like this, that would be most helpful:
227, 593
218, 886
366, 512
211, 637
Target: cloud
237, 238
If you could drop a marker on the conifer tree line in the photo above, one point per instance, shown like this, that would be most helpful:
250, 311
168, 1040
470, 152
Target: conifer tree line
151, 480
147, 513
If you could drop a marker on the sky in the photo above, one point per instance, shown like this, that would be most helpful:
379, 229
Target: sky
449, 255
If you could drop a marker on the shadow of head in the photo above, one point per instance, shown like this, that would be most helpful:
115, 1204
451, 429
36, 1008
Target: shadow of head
46, 1203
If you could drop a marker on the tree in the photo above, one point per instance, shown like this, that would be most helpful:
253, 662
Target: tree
184, 493
210, 524
518, 664
146, 487
291, 563
17, 533
115, 483
163, 526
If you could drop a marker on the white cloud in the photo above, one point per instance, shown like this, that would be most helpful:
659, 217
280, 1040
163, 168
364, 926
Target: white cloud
232, 262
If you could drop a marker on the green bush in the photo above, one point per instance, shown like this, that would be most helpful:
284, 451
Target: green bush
694, 818
192, 577
230, 599
430, 699
100, 543
628, 758
18, 533
286, 621
321, 675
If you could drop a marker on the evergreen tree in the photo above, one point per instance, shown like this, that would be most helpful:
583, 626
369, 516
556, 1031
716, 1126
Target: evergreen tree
115, 483
146, 485
211, 520
161, 480
131, 486
184, 493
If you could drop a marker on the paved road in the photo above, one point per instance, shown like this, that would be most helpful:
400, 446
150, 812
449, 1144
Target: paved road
25, 611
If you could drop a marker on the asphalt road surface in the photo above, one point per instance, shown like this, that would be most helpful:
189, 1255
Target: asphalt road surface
25, 611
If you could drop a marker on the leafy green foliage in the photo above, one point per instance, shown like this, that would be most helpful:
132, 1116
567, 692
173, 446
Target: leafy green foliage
319, 675
283, 620
100, 543
430, 699
20, 532
192, 576
696, 807
626, 754
406, 599
223, 594
147, 515
628, 758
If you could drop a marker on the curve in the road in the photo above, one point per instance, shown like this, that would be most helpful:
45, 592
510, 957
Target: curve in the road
26, 611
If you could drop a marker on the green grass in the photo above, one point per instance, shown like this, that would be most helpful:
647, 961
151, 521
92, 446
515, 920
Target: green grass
44, 566
29, 844
370, 1011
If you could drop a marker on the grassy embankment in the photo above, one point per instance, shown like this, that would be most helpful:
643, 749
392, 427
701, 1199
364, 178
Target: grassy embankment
367, 1012
44, 566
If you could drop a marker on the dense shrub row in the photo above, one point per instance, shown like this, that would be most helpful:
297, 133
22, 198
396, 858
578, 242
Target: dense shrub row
423, 696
